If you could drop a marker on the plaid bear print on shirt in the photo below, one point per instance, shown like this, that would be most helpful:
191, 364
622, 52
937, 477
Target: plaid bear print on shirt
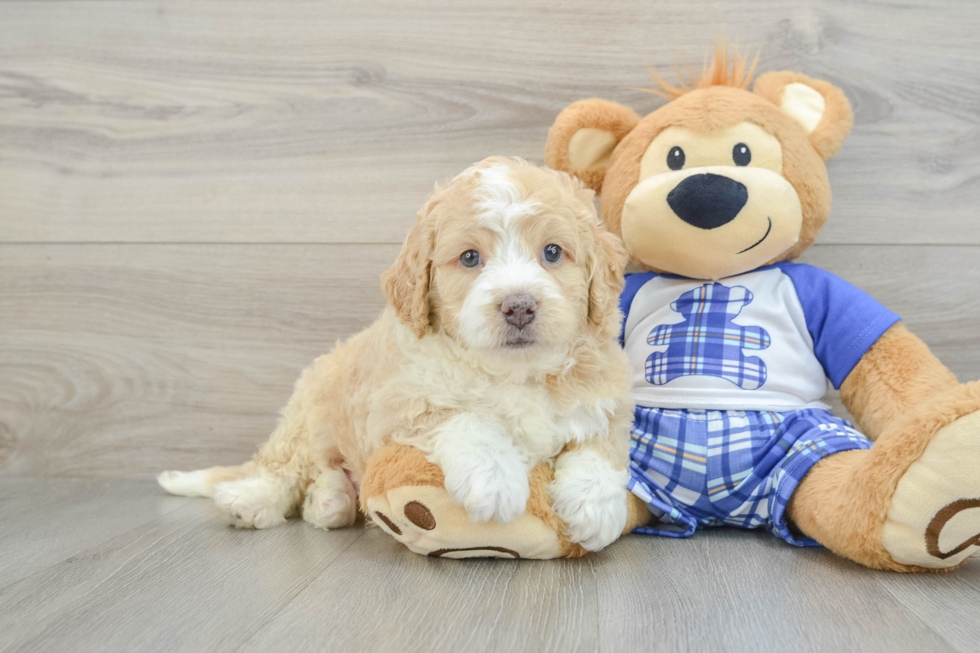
708, 342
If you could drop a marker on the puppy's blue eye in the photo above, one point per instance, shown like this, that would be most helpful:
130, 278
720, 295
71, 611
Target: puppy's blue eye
552, 253
470, 258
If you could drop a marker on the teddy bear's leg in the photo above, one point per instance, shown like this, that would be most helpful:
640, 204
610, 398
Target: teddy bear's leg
637, 513
912, 501
403, 493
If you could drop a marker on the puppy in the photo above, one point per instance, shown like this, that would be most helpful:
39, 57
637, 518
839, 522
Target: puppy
497, 351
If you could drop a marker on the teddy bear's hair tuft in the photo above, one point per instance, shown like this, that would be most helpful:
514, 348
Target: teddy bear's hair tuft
720, 72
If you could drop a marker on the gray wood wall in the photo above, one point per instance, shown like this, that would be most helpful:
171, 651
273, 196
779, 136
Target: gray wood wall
197, 198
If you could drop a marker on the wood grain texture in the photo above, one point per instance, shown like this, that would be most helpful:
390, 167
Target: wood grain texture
179, 579
44, 521
132, 357
948, 602
123, 360
186, 581
197, 198
420, 604
734, 590
329, 122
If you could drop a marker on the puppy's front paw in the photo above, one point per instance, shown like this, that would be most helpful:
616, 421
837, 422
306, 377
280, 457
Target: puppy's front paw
484, 470
590, 497
489, 486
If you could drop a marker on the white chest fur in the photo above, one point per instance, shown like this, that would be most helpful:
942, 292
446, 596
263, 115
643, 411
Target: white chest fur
531, 417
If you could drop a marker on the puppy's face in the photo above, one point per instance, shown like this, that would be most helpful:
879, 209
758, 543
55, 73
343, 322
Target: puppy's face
516, 264
507, 269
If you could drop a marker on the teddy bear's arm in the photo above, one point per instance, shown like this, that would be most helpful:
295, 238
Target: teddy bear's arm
893, 377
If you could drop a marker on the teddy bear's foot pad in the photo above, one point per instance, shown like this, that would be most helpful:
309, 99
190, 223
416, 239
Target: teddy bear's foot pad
934, 519
426, 520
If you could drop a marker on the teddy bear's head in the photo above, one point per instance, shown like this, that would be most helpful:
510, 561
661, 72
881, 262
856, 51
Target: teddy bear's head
718, 181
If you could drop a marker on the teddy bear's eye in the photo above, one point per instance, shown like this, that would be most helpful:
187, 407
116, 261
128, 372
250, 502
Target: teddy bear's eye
741, 154
675, 158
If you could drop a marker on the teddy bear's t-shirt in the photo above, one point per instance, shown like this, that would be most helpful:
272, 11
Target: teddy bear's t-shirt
764, 340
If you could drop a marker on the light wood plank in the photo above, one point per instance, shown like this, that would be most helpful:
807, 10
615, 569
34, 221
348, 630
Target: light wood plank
380, 596
185, 582
948, 602
46, 520
732, 590
330, 121
123, 360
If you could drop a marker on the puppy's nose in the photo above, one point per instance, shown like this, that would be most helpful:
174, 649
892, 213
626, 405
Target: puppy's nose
518, 309
708, 201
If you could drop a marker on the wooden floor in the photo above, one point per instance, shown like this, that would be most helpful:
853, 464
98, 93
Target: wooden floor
115, 565
197, 198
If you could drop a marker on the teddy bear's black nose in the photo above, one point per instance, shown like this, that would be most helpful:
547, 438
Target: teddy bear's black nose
707, 201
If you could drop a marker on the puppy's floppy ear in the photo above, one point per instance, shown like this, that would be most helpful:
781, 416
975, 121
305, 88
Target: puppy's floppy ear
406, 283
584, 136
820, 108
606, 267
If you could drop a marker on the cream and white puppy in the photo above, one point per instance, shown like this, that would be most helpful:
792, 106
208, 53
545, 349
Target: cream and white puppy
497, 352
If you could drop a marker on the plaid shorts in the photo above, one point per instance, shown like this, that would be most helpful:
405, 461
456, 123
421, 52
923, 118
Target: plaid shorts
698, 468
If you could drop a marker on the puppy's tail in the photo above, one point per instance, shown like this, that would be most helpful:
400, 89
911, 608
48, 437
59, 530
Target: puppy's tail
201, 483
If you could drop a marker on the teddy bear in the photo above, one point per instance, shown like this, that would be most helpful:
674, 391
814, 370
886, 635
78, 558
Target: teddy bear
733, 346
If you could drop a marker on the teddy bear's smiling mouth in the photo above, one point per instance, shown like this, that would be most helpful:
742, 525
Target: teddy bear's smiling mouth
758, 242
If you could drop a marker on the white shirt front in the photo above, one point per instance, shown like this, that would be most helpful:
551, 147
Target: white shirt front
741, 343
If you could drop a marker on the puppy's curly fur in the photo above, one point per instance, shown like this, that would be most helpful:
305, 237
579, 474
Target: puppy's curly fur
449, 369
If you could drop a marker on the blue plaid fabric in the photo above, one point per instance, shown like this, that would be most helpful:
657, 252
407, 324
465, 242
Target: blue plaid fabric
710, 468
708, 342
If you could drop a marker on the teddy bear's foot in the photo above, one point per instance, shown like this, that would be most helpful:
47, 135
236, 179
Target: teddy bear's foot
403, 493
912, 501
934, 519
426, 520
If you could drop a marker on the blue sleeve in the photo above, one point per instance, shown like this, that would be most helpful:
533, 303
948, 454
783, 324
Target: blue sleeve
634, 281
843, 320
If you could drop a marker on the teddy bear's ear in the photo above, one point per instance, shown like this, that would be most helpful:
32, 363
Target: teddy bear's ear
584, 136
820, 108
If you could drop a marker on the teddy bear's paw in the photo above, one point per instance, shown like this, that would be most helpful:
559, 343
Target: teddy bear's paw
590, 497
934, 519
429, 522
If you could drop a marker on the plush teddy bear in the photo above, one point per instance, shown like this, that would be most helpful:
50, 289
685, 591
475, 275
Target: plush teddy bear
732, 344
714, 194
